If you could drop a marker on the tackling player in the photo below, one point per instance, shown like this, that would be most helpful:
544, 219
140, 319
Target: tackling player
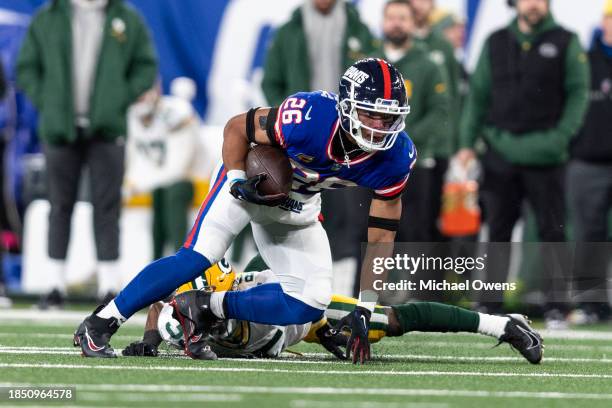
244, 339
356, 139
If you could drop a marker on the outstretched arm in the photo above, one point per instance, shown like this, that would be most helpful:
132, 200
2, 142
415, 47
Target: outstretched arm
382, 225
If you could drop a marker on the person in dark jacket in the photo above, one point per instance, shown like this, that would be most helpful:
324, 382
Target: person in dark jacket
527, 99
82, 63
589, 184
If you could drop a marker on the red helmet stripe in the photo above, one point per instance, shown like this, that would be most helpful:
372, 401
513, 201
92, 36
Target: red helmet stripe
386, 78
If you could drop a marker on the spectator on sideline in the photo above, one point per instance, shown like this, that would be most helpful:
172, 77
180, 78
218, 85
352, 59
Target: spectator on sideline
162, 136
528, 95
427, 123
82, 77
453, 29
589, 184
441, 52
310, 52
425, 14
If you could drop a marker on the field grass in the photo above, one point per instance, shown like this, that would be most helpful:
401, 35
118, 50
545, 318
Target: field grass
417, 370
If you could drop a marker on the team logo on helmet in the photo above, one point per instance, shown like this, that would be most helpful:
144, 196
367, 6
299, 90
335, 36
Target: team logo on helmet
354, 75
372, 86
220, 277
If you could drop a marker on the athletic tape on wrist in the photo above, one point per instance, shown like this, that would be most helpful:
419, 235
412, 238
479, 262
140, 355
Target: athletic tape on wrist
234, 175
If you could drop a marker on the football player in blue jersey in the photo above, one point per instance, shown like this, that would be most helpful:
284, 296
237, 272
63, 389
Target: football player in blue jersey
354, 139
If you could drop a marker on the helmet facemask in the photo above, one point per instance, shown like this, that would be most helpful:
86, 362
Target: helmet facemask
364, 135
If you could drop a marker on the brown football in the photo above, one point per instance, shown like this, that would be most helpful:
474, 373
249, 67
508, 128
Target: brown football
273, 162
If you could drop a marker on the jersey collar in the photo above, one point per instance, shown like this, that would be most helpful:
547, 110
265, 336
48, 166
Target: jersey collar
330, 155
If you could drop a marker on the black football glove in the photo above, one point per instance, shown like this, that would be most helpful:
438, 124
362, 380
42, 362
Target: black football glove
358, 321
246, 190
147, 347
332, 339
140, 349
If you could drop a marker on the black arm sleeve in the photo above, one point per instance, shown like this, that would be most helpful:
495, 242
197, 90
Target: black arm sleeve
383, 223
270, 120
250, 125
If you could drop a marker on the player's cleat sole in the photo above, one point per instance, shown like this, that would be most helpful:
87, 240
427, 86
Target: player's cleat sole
522, 337
93, 336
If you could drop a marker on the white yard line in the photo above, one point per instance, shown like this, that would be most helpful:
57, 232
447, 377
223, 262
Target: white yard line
67, 406
489, 345
474, 359
62, 317
60, 336
318, 356
55, 317
546, 334
381, 346
348, 372
148, 397
238, 389
302, 403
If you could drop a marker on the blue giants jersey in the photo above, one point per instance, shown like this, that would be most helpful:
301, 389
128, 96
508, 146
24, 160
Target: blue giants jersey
305, 125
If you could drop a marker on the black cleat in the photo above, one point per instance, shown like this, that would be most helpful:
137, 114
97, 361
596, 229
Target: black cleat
93, 336
192, 308
52, 300
523, 338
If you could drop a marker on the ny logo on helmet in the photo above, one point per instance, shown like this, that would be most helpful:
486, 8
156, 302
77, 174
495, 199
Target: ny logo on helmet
355, 75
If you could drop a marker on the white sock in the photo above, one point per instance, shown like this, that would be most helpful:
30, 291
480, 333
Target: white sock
56, 272
111, 310
109, 277
216, 304
492, 325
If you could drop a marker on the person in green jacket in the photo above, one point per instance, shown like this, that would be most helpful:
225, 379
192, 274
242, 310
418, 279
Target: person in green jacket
442, 52
308, 53
312, 50
82, 63
528, 95
427, 124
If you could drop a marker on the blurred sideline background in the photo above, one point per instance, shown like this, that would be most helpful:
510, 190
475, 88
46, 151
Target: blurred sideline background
221, 45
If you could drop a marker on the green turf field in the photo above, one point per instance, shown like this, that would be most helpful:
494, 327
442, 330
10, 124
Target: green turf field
418, 370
